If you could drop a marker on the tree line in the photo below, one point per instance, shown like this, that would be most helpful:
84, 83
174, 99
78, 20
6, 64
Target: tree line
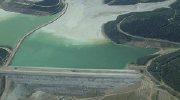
167, 68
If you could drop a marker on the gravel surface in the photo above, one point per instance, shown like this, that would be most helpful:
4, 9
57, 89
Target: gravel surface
71, 83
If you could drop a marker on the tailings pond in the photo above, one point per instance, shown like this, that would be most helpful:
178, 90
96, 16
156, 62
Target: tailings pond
43, 50
62, 44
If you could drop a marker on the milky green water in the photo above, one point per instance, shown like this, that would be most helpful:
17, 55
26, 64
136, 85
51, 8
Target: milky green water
44, 50
13, 28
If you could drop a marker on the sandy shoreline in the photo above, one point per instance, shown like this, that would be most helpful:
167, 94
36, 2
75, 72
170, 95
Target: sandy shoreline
82, 23
5, 14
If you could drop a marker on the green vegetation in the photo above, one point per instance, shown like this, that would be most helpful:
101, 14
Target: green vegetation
161, 24
111, 31
167, 68
107, 1
2, 84
144, 60
6, 46
121, 2
3, 55
169, 45
129, 2
176, 5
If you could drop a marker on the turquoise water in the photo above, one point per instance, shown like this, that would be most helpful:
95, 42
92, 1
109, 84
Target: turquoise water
13, 28
44, 50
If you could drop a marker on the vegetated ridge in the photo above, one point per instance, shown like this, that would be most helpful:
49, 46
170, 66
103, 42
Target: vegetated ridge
144, 60
4, 53
129, 2
160, 24
45, 7
110, 29
166, 68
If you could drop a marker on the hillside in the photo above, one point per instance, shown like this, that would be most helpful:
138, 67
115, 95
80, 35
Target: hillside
3, 55
166, 68
44, 7
161, 23
129, 2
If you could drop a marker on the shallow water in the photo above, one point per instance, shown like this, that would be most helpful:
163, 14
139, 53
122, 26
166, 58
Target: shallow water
13, 28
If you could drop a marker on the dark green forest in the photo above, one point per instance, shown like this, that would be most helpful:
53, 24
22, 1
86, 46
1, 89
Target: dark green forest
3, 54
144, 60
53, 9
161, 23
111, 31
167, 69
130, 2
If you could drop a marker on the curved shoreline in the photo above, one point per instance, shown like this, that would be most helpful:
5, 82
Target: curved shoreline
32, 31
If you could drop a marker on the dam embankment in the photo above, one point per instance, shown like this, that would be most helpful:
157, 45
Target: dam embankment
71, 83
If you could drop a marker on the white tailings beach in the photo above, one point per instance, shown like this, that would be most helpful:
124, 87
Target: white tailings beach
82, 23
5, 14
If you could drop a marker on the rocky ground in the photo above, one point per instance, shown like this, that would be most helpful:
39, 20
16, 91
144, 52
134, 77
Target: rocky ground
22, 84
